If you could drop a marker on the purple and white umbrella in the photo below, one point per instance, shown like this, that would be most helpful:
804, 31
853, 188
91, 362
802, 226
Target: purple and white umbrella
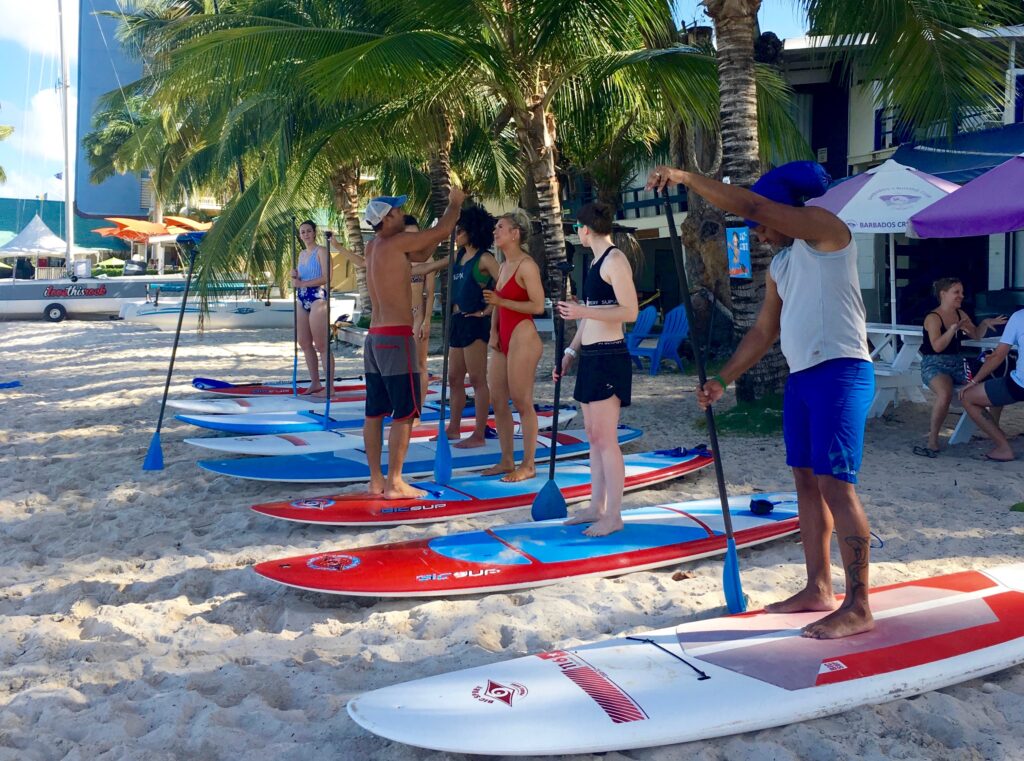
990, 204
882, 200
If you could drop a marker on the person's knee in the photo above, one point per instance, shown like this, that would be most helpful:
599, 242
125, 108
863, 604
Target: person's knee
522, 400
943, 399
838, 493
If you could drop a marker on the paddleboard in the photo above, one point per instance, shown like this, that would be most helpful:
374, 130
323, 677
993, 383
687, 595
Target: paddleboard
256, 404
476, 494
281, 388
711, 678
350, 465
535, 554
296, 422
335, 440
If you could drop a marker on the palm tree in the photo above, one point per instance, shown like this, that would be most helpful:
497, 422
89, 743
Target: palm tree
925, 59
5, 132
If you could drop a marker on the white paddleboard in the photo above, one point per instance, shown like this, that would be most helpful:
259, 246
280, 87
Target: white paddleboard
711, 678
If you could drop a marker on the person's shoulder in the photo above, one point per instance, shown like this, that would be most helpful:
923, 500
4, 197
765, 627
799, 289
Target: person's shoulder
932, 317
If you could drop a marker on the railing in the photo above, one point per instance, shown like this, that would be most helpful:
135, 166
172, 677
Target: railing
633, 203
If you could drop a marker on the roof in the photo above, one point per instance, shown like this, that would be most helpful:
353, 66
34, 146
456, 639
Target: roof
967, 155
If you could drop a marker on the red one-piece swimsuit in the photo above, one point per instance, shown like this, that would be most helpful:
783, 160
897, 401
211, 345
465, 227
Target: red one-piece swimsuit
508, 319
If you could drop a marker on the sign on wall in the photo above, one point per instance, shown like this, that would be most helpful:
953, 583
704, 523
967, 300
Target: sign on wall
737, 247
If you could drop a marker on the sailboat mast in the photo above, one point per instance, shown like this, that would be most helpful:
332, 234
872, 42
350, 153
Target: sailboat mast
69, 210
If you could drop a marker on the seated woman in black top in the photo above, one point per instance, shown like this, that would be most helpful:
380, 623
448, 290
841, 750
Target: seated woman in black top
942, 361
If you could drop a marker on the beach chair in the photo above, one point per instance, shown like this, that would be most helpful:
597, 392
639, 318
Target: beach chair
641, 328
675, 329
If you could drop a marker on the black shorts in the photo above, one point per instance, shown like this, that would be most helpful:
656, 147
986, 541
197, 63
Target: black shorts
1003, 391
465, 330
604, 371
391, 366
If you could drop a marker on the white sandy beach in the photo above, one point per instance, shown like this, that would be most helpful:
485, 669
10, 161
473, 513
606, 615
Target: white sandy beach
131, 625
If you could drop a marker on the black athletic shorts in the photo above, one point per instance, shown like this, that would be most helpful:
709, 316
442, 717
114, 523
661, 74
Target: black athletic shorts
605, 370
391, 365
1004, 391
465, 330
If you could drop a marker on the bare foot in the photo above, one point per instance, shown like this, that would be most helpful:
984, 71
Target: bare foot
377, 485
471, 443
590, 515
1000, 454
522, 473
311, 390
845, 622
401, 490
608, 524
808, 598
454, 434
498, 469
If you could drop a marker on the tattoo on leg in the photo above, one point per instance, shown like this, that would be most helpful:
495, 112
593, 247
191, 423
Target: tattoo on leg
857, 569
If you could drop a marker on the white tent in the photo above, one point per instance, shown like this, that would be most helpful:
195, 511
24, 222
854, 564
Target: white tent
34, 241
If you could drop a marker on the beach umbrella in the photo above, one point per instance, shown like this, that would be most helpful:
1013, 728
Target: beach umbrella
881, 201
987, 205
111, 262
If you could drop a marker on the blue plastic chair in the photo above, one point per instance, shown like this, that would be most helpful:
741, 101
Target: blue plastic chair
676, 328
641, 328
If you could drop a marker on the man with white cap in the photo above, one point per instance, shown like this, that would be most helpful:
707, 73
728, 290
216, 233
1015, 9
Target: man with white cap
390, 358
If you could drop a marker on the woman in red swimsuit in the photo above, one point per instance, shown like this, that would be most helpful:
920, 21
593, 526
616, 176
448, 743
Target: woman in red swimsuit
519, 296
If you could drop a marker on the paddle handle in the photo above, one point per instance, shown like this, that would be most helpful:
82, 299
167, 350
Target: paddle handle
698, 358
177, 334
295, 317
559, 323
445, 326
328, 354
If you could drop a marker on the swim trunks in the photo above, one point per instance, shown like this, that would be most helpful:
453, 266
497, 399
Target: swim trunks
824, 411
391, 366
604, 371
1003, 391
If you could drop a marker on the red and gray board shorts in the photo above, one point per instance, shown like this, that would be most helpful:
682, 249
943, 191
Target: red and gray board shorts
391, 366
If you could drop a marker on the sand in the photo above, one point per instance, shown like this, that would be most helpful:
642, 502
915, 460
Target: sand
131, 625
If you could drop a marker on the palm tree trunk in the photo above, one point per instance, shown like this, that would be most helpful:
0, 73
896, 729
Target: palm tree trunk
535, 130
345, 184
735, 30
440, 170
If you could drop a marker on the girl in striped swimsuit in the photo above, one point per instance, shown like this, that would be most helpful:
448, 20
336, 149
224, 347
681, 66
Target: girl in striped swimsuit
309, 279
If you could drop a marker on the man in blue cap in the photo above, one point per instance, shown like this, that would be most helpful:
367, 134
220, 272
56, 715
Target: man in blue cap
813, 304
390, 358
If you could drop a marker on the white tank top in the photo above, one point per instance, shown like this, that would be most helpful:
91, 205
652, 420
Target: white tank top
823, 313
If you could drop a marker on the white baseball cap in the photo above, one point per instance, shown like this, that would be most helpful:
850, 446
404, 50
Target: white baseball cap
379, 207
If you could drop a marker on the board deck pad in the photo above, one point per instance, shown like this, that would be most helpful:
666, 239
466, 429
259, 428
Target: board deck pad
475, 494
350, 465
535, 553
711, 678
311, 442
255, 424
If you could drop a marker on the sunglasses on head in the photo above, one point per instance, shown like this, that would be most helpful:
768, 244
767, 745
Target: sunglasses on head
577, 226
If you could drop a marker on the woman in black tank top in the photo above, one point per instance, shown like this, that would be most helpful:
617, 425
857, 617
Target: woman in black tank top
942, 362
605, 376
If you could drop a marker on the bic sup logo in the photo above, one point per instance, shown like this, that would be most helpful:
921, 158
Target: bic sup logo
334, 561
496, 692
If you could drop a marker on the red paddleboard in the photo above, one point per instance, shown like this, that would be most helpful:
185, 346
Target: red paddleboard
537, 553
476, 494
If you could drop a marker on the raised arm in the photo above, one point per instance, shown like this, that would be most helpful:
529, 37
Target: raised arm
820, 228
350, 256
422, 243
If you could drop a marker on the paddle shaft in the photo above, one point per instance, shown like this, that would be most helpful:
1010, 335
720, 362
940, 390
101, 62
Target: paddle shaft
445, 326
177, 334
328, 358
559, 354
295, 317
698, 358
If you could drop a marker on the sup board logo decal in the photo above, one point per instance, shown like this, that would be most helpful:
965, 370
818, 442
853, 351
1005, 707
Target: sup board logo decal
445, 575
497, 692
830, 666
614, 701
334, 561
313, 503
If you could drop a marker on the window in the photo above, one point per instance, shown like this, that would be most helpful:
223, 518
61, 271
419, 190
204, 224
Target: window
1018, 103
890, 129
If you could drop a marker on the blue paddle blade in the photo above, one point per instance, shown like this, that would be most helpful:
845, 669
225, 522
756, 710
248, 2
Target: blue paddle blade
734, 598
154, 456
442, 458
10, 384
549, 503
207, 384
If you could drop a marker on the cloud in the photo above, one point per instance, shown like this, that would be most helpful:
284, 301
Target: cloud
37, 131
29, 185
35, 26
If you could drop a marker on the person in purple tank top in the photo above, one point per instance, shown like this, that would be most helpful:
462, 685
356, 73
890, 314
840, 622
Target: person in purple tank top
813, 305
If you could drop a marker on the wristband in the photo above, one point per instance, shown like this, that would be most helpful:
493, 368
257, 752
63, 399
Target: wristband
721, 381
570, 351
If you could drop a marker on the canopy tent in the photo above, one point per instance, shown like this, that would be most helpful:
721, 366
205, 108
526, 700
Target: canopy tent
967, 155
36, 240
990, 204
882, 200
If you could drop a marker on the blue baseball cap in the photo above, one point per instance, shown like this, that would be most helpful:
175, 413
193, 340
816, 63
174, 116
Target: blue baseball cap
379, 207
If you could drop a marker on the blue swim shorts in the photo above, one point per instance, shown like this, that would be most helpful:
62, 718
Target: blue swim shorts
824, 412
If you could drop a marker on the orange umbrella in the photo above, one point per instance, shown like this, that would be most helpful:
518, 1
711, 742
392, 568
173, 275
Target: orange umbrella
140, 230
191, 224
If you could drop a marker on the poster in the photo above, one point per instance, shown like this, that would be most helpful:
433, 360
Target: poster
737, 247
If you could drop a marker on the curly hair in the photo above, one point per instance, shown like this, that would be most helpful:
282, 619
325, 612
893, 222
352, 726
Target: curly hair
478, 224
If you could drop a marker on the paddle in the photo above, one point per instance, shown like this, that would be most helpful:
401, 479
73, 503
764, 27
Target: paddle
154, 455
550, 502
295, 319
731, 575
443, 453
328, 357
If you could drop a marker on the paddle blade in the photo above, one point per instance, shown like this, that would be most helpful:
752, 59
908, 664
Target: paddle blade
734, 598
442, 458
549, 503
207, 384
154, 456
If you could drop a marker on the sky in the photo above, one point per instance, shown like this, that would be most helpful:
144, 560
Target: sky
30, 95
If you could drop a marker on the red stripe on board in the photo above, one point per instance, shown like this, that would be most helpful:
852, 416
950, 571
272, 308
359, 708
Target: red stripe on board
293, 439
693, 518
1008, 606
612, 699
